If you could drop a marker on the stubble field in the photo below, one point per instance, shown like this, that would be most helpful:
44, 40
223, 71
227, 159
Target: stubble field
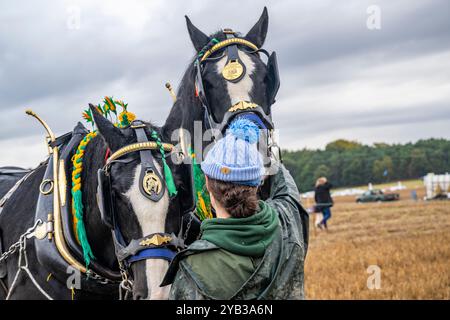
408, 240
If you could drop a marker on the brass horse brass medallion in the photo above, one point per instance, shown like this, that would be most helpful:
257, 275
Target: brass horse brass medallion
151, 183
156, 240
233, 70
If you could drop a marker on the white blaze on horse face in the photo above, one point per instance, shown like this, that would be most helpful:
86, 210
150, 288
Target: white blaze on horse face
239, 91
152, 219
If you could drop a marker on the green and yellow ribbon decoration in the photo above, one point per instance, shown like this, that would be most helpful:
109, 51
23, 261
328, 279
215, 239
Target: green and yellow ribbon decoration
77, 199
202, 197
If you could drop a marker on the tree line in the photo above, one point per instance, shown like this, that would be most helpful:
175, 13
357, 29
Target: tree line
350, 163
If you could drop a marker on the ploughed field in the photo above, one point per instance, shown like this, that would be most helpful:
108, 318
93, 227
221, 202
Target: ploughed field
408, 240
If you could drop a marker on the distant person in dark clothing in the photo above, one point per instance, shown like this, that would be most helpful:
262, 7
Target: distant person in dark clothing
323, 200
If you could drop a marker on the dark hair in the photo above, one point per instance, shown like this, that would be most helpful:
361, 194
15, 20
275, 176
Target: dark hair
239, 201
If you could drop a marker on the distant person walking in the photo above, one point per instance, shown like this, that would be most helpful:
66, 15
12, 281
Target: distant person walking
323, 200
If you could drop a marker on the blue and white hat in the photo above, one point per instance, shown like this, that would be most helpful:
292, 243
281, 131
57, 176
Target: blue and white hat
235, 158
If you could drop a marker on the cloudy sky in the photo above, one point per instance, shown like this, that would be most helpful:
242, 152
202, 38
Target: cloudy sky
349, 69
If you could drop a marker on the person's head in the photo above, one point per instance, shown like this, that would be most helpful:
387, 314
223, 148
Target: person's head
234, 169
239, 201
321, 181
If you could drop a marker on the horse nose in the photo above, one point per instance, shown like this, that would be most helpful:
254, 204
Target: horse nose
160, 295
139, 295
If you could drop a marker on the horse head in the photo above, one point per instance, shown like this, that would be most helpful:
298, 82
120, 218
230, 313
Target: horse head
136, 201
228, 78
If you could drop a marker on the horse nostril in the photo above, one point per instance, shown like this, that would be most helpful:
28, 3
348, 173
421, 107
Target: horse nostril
138, 296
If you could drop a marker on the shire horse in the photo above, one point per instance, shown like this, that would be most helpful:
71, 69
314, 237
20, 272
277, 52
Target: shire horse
137, 218
227, 78
8, 178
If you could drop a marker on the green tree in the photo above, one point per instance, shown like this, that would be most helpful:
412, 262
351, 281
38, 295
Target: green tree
322, 171
418, 163
348, 163
382, 168
342, 145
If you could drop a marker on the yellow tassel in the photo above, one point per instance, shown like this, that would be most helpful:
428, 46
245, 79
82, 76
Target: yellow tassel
201, 202
73, 293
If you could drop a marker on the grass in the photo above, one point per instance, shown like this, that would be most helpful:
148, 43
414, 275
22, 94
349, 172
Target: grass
408, 240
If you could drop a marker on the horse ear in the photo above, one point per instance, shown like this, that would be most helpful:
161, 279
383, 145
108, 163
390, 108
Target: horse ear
111, 134
198, 38
257, 34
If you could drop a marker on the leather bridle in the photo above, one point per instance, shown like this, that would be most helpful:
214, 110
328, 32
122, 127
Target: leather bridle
159, 245
256, 112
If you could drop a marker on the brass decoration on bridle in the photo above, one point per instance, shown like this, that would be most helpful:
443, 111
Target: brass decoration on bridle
156, 240
242, 105
233, 70
151, 183
225, 43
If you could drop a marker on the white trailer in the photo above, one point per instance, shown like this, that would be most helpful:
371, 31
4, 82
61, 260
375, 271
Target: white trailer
437, 185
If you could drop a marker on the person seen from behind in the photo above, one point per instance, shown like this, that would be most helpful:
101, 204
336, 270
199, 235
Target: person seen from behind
324, 202
252, 249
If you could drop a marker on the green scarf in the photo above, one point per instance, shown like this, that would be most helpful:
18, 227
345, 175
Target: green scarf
248, 236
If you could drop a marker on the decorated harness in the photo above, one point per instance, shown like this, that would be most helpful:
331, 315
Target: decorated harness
233, 71
152, 186
65, 224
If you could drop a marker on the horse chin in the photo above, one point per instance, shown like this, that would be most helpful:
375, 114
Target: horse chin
147, 276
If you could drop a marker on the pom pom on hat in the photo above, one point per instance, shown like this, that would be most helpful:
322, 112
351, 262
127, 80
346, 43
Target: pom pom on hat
244, 129
235, 158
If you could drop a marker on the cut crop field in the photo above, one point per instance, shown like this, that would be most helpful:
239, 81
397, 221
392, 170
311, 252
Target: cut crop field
408, 240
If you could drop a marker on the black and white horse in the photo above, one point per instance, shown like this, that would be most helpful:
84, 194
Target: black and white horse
137, 216
258, 85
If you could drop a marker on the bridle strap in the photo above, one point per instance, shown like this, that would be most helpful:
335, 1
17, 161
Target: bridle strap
242, 106
147, 164
153, 253
149, 145
153, 246
233, 56
152, 241
227, 42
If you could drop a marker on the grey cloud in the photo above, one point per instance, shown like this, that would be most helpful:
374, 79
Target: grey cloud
304, 123
131, 54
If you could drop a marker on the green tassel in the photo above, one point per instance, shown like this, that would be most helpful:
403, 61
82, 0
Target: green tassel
169, 180
170, 183
81, 231
200, 189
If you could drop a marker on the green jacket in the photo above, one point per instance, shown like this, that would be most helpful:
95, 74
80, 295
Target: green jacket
206, 271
